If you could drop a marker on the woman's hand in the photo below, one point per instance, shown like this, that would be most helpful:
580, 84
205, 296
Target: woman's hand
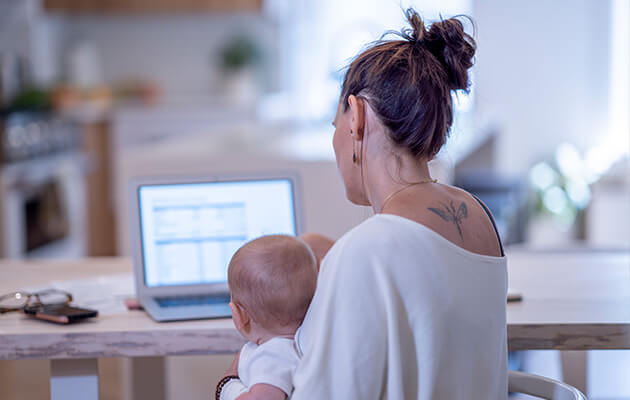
320, 245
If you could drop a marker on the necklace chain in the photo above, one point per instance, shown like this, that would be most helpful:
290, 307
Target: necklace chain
403, 188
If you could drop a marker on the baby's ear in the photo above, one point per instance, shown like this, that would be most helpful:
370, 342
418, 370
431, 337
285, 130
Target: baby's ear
240, 317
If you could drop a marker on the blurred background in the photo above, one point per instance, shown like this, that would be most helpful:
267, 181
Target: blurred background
95, 92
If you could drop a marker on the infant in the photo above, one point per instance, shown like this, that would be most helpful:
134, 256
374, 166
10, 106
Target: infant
272, 280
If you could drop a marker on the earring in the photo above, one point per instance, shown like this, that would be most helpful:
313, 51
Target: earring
355, 159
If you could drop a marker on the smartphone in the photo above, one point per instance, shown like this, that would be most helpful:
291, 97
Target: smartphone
60, 313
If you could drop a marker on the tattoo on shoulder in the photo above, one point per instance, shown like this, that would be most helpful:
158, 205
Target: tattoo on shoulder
450, 213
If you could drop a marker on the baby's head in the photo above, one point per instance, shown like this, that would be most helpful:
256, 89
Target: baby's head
272, 281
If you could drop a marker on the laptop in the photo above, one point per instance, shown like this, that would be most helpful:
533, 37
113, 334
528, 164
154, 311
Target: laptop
185, 231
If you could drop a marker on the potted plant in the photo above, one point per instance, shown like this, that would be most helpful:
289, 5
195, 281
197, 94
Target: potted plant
238, 61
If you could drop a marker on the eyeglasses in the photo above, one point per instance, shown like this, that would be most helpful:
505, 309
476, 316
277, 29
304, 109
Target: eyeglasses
18, 301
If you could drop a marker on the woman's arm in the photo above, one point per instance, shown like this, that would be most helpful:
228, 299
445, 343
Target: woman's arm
235, 390
262, 391
320, 245
232, 370
268, 370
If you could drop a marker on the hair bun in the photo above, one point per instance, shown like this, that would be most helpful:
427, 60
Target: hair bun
418, 31
454, 48
410, 81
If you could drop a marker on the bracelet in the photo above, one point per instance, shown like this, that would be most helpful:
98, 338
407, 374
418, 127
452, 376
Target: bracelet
222, 383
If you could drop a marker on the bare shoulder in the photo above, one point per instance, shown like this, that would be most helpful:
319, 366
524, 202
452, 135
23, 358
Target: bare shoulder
457, 216
454, 204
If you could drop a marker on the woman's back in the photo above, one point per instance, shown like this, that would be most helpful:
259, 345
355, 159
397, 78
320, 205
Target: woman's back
452, 213
415, 317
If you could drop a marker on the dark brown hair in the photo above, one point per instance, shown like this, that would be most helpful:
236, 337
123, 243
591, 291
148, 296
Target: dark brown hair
408, 82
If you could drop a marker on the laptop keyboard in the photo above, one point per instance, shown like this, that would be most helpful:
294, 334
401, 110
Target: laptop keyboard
187, 301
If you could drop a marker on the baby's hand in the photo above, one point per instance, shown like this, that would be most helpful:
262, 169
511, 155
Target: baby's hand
319, 244
262, 391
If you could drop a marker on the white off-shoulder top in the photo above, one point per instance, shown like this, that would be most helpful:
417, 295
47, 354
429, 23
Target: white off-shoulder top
400, 312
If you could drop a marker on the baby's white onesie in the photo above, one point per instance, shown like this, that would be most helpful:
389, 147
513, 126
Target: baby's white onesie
273, 363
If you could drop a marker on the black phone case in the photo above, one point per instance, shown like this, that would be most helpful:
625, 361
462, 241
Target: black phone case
60, 313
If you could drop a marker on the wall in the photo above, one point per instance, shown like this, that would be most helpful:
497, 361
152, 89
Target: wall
542, 75
26, 33
14, 26
178, 51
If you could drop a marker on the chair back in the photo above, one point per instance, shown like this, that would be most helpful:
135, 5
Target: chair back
539, 386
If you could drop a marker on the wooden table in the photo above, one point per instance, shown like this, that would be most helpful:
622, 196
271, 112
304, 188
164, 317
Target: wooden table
572, 301
75, 349
578, 300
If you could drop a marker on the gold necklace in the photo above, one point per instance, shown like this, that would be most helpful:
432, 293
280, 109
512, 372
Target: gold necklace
403, 188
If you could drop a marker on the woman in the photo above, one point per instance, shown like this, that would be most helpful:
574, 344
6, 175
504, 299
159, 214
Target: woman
410, 304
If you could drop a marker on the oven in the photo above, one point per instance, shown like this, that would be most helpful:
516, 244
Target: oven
42, 189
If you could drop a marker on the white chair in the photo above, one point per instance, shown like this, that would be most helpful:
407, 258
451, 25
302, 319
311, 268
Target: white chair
539, 386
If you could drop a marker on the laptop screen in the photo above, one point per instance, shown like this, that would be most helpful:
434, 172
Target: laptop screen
190, 231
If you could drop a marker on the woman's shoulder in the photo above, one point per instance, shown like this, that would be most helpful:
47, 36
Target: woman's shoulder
387, 236
453, 214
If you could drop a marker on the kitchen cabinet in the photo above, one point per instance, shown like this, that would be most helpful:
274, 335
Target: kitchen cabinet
151, 6
96, 145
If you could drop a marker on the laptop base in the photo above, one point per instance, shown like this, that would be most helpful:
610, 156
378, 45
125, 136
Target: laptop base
205, 311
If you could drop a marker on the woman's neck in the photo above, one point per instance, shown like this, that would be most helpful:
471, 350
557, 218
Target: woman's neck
391, 175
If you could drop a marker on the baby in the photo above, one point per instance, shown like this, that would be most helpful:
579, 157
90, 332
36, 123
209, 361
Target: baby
272, 280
